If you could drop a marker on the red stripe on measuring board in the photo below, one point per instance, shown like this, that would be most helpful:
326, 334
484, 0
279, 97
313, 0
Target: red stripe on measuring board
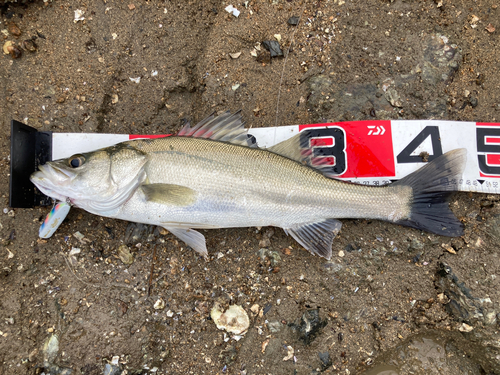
364, 147
151, 136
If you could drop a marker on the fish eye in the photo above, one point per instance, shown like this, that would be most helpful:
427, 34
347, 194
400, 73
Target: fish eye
76, 161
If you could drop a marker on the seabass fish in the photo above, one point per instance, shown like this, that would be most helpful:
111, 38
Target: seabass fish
210, 176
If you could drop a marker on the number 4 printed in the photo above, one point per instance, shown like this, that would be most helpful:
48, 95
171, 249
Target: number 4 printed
406, 156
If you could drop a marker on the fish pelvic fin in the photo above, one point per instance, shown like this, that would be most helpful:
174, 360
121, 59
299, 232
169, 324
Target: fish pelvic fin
316, 237
432, 186
226, 127
192, 238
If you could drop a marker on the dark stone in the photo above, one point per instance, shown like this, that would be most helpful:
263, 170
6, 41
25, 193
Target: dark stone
273, 47
455, 309
294, 21
473, 101
137, 232
267, 308
309, 326
110, 369
463, 306
325, 359
352, 247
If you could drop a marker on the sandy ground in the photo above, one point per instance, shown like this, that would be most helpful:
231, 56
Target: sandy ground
387, 287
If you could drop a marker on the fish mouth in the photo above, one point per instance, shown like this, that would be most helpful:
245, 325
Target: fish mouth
50, 178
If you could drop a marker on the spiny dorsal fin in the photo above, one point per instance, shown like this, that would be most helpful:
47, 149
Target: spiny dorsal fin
226, 127
298, 148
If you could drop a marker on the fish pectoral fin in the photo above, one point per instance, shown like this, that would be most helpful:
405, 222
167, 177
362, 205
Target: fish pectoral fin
192, 238
176, 195
316, 237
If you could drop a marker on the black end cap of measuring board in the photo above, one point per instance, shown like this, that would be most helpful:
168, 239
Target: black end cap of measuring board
29, 148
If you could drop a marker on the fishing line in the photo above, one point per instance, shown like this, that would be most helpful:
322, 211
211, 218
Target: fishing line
284, 66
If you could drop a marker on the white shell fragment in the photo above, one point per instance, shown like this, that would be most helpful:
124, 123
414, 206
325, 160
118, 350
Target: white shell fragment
136, 80
79, 15
6, 46
75, 251
233, 10
289, 353
235, 55
159, 304
125, 255
465, 328
234, 320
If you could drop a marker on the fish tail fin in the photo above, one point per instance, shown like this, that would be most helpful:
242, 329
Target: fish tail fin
432, 186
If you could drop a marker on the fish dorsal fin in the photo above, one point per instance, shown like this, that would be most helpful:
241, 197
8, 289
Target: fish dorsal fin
298, 148
290, 149
226, 127
316, 237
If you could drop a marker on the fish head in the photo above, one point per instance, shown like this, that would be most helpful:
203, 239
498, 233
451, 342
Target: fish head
99, 182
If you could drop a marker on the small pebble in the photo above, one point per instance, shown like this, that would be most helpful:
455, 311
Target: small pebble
14, 29
293, 21
473, 101
30, 45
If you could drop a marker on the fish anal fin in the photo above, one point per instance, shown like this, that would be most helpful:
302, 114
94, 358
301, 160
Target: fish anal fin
316, 237
192, 238
226, 127
171, 194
